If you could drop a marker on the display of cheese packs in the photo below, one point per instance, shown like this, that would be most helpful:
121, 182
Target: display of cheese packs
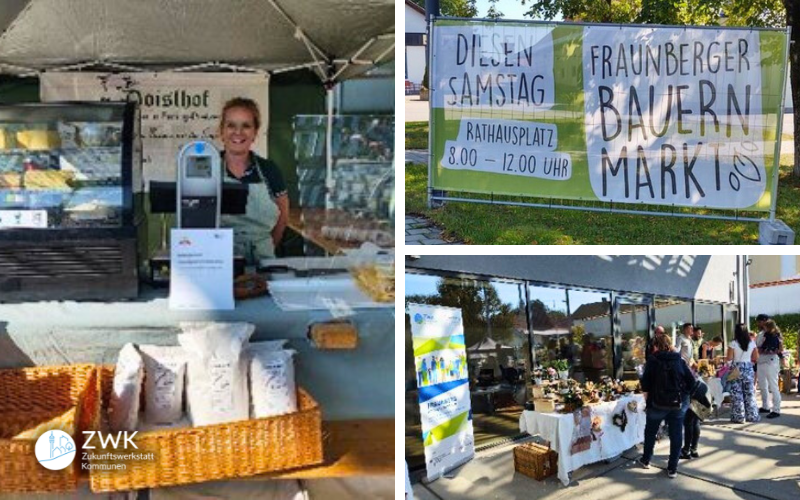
272, 384
164, 375
6, 139
38, 139
64, 422
123, 409
216, 388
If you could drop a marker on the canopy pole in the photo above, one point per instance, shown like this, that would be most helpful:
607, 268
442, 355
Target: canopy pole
329, 149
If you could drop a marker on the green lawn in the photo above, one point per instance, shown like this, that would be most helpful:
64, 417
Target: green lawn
495, 224
417, 135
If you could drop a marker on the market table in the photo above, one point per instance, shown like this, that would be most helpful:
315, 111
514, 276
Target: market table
355, 388
560, 430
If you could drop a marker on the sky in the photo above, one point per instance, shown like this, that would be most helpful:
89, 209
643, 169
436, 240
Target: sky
511, 9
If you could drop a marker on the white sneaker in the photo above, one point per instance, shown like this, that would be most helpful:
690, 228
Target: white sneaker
672, 474
645, 465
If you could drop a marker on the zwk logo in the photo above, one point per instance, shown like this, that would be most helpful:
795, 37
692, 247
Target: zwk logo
55, 450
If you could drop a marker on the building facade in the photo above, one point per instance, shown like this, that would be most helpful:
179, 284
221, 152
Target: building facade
416, 30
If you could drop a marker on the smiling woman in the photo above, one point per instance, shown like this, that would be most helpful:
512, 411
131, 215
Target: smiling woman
260, 229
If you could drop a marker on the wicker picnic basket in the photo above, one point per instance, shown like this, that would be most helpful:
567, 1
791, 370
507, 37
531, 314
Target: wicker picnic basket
212, 452
33, 401
535, 460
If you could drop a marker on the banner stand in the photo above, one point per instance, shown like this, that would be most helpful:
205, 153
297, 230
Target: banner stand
442, 375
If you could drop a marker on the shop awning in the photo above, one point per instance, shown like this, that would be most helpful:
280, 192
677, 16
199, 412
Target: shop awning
338, 39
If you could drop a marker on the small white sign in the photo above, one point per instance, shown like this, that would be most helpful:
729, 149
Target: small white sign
23, 218
201, 269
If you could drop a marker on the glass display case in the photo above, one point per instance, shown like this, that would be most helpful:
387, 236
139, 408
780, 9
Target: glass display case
66, 184
63, 167
359, 207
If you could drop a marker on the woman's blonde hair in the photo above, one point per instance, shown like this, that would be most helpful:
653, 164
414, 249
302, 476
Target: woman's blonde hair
771, 328
244, 103
663, 342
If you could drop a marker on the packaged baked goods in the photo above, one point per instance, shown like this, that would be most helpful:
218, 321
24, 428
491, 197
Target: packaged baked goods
272, 383
216, 387
164, 376
123, 410
334, 335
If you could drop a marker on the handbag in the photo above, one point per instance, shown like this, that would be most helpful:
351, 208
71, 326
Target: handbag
702, 411
735, 374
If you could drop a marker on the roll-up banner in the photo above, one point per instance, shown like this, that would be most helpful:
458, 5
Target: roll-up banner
440, 358
657, 115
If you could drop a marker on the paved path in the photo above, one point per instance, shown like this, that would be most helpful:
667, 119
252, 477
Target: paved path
751, 461
416, 110
421, 231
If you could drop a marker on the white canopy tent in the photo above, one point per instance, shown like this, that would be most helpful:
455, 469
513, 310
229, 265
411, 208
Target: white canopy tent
338, 39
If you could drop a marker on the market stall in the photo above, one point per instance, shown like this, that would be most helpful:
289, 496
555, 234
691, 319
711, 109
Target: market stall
76, 182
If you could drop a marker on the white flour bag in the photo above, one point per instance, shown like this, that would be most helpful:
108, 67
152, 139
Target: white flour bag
164, 374
216, 386
272, 384
123, 411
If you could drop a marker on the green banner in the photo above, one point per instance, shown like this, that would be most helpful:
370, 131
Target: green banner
679, 116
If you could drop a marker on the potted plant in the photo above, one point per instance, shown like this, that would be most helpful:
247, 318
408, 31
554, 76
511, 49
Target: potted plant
562, 367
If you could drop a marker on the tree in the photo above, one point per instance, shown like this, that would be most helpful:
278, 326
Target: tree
454, 8
493, 13
479, 304
756, 13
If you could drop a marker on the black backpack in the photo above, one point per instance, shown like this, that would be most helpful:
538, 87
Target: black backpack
669, 386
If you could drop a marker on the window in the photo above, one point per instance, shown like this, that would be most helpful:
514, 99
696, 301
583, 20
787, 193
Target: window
415, 39
709, 318
591, 335
550, 326
671, 314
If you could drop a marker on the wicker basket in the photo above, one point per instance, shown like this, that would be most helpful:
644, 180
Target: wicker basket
67, 397
212, 452
535, 460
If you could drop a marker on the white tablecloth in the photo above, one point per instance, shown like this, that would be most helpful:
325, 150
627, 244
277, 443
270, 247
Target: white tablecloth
558, 428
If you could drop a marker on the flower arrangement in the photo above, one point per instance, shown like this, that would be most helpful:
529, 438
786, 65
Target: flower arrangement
560, 365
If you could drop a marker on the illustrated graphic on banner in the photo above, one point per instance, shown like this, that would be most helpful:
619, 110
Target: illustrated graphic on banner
654, 115
440, 358
175, 108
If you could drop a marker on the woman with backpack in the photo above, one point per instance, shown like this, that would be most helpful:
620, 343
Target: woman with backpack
743, 354
666, 383
770, 355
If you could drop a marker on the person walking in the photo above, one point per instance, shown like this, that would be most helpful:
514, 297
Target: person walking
666, 384
691, 422
743, 354
770, 358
